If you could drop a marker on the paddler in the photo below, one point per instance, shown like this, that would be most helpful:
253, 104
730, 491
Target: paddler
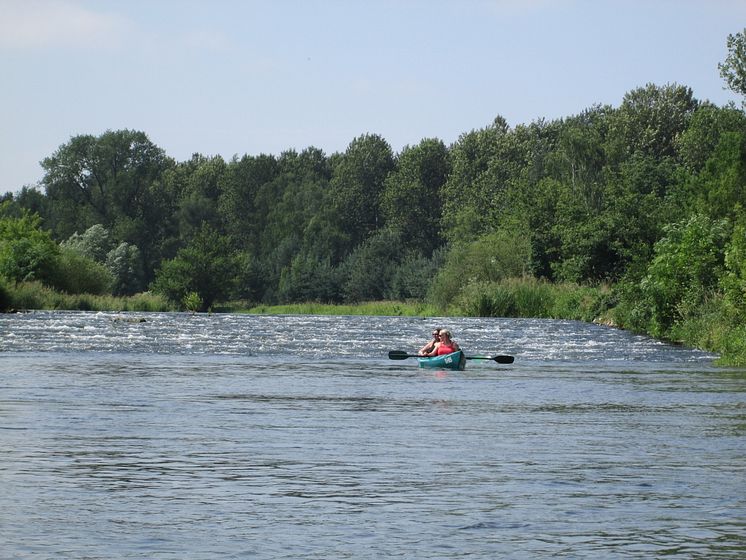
445, 344
430, 346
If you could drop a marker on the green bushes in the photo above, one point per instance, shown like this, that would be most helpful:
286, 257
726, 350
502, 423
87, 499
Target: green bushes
26, 251
685, 269
412, 277
125, 264
309, 279
733, 282
370, 268
204, 267
693, 289
528, 297
583, 303
533, 298
192, 302
680, 278
123, 261
483, 262
76, 274
712, 328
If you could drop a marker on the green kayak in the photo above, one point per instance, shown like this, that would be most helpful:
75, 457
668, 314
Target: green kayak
454, 360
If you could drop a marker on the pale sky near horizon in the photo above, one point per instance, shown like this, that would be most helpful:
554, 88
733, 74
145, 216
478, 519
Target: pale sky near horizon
233, 77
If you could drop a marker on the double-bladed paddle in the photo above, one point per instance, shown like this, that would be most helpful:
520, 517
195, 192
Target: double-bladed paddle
401, 355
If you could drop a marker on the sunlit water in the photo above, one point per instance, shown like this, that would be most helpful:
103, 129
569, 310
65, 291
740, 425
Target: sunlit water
236, 436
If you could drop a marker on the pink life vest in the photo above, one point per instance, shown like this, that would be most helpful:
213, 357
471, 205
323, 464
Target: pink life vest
443, 349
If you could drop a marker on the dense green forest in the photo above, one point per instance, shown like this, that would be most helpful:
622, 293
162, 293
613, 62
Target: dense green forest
645, 200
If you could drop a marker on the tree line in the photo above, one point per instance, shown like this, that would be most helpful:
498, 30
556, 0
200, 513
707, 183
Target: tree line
648, 197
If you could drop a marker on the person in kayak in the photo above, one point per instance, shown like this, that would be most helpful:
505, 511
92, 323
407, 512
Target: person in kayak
445, 345
430, 346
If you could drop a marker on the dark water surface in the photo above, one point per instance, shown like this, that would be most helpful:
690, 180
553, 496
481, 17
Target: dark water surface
232, 436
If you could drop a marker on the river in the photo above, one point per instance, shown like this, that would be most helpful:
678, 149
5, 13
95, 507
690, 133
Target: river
177, 436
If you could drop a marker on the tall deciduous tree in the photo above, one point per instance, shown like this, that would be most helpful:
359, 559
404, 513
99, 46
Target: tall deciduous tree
485, 165
469, 192
733, 70
198, 203
119, 179
579, 159
706, 127
242, 181
357, 184
284, 208
720, 187
412, 200
650, 120
101, 179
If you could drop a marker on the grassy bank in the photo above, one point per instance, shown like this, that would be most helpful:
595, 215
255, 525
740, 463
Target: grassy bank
711, 326
33, 295
388, 308
510, 298
710, 331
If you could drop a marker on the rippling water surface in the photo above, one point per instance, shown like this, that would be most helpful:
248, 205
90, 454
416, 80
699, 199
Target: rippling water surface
236, 436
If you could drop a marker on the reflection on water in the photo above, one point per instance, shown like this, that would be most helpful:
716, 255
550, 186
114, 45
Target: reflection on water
274, 437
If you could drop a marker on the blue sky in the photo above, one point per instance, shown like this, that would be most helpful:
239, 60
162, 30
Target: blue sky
235, 77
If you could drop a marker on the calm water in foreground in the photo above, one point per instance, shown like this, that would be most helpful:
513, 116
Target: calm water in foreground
233, 436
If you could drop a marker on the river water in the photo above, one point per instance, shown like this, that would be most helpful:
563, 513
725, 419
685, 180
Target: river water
233, 436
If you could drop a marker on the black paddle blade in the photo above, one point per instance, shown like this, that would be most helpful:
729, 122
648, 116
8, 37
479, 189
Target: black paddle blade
498, 359
399, 355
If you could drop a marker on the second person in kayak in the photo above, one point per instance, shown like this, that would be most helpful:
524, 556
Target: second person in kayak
446, 345
430, 346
